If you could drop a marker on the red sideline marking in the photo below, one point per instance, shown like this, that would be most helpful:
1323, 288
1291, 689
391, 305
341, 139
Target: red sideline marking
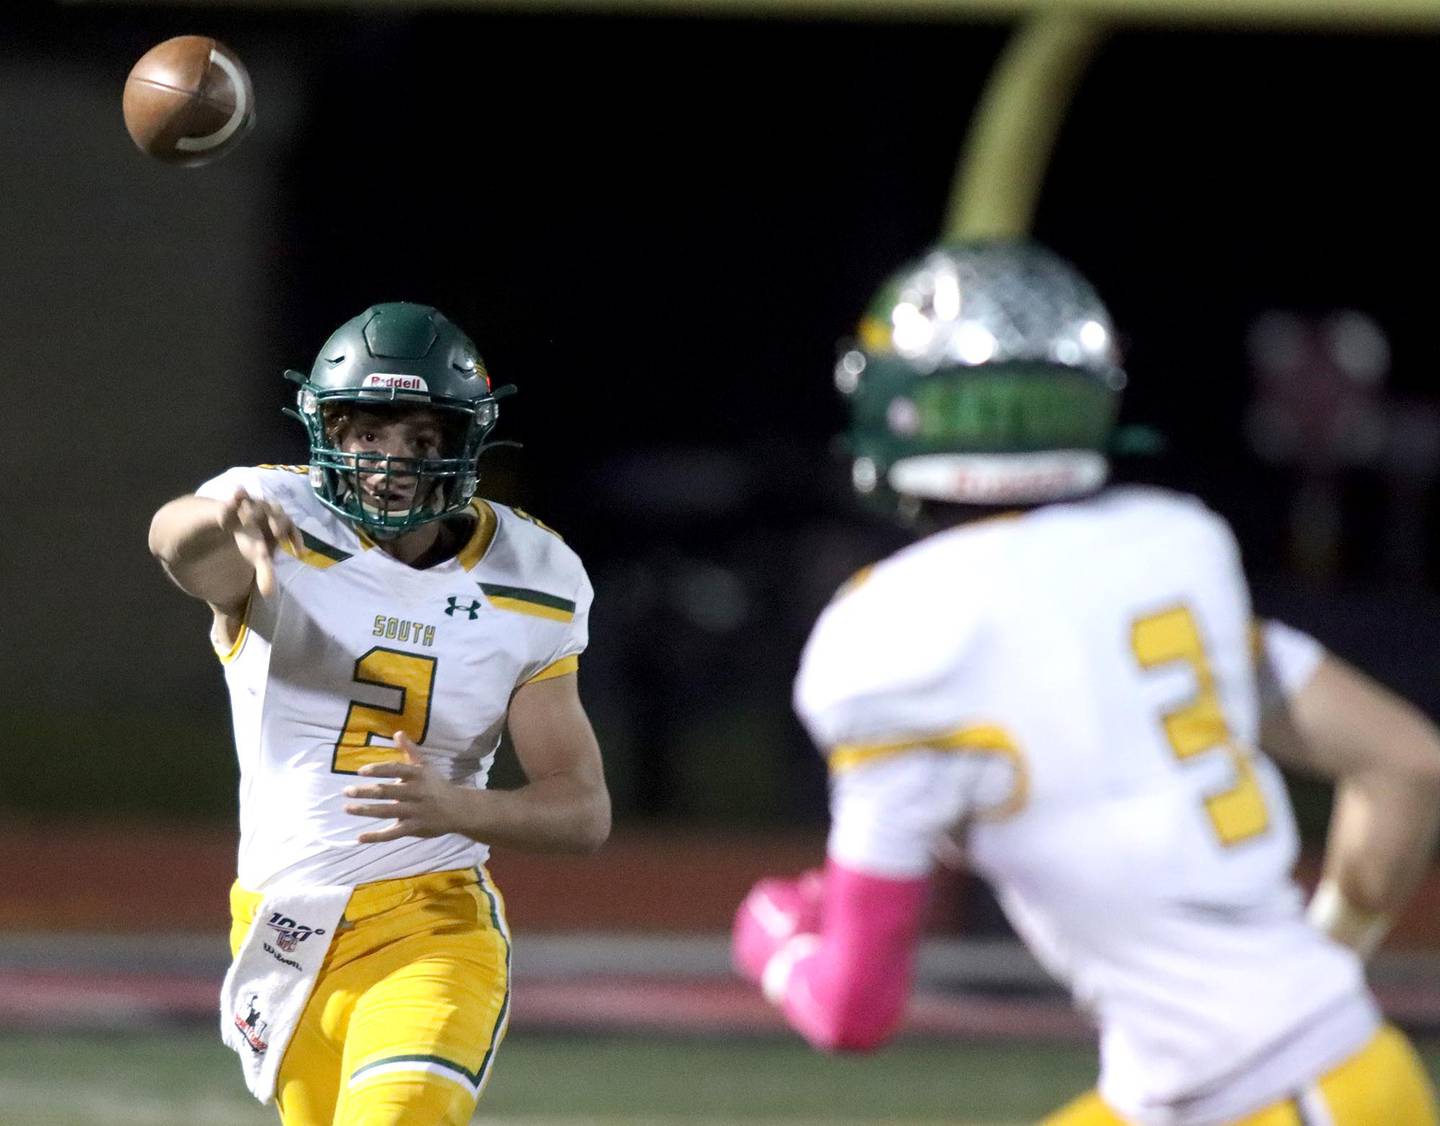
46, 999
720, 1007
685, 881
43, 998
50, 999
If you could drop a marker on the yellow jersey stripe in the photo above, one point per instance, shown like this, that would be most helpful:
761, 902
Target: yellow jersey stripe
525, 601
234, 650
240, 635
316, 552
534, 609
479, 542
977, 739
563, 667
854, 582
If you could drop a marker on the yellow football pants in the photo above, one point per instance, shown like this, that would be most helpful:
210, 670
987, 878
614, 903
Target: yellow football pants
1383, 1084
408, 1009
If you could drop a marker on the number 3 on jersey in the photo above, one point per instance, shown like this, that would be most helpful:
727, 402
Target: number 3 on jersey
1237, 813
410, 674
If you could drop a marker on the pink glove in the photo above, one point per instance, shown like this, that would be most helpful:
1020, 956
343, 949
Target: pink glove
775, 911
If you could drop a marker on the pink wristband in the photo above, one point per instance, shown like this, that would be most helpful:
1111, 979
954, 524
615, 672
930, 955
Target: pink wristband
845, 990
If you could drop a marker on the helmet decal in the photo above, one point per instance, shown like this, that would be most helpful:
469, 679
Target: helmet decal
395, 381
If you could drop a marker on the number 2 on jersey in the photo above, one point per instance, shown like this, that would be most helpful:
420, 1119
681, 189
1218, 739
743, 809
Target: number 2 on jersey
1237, 813
413, 676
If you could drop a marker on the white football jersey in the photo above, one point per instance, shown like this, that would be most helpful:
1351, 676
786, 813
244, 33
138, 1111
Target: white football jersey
1071, 695
354, 646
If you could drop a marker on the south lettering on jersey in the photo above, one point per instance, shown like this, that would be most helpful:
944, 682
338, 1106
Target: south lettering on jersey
356, 646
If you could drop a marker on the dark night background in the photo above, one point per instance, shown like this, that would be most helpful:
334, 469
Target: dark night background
658, 228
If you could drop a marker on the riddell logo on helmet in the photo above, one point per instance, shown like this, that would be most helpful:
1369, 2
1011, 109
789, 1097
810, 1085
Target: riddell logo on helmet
395, 382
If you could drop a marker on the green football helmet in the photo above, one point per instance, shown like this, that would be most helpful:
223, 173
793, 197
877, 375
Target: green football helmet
395, 356
984, 373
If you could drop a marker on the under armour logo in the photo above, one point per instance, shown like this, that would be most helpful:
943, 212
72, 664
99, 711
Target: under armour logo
473, 609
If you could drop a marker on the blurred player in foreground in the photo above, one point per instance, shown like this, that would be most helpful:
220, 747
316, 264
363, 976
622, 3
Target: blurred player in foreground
380, 625
1063, 681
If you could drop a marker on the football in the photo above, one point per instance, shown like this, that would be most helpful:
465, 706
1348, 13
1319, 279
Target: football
188, 100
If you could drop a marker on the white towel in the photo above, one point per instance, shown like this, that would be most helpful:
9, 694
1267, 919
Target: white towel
272, 976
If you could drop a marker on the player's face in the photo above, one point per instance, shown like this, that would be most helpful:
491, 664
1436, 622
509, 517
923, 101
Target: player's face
409, 435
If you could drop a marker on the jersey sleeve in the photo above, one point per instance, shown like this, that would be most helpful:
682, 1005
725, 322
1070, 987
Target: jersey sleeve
256, 480
287, 486
565, 655
880, 666
531, 571
887, 817
888, 692
1286, 659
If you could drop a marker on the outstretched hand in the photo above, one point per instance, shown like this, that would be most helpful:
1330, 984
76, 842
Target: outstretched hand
259, 527
420, 800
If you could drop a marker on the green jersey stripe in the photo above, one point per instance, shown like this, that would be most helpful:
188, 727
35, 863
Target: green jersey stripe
472, 1077
521, 594
500, 1018
320, 547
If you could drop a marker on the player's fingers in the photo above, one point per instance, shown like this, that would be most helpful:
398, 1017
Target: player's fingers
394, 832
255, 514
228, 516
249, 522
404, 770
255, 550
280, 530
408, 745
260, 520
386, 791
265, 574
275, 513
377, 809
292, 533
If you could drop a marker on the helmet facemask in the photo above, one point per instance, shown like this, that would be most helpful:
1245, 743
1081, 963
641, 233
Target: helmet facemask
389, 495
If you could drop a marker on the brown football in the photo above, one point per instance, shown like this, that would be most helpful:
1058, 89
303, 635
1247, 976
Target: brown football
188, 100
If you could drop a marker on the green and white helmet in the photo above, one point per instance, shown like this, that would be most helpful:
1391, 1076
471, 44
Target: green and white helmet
392, 356
984, 373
